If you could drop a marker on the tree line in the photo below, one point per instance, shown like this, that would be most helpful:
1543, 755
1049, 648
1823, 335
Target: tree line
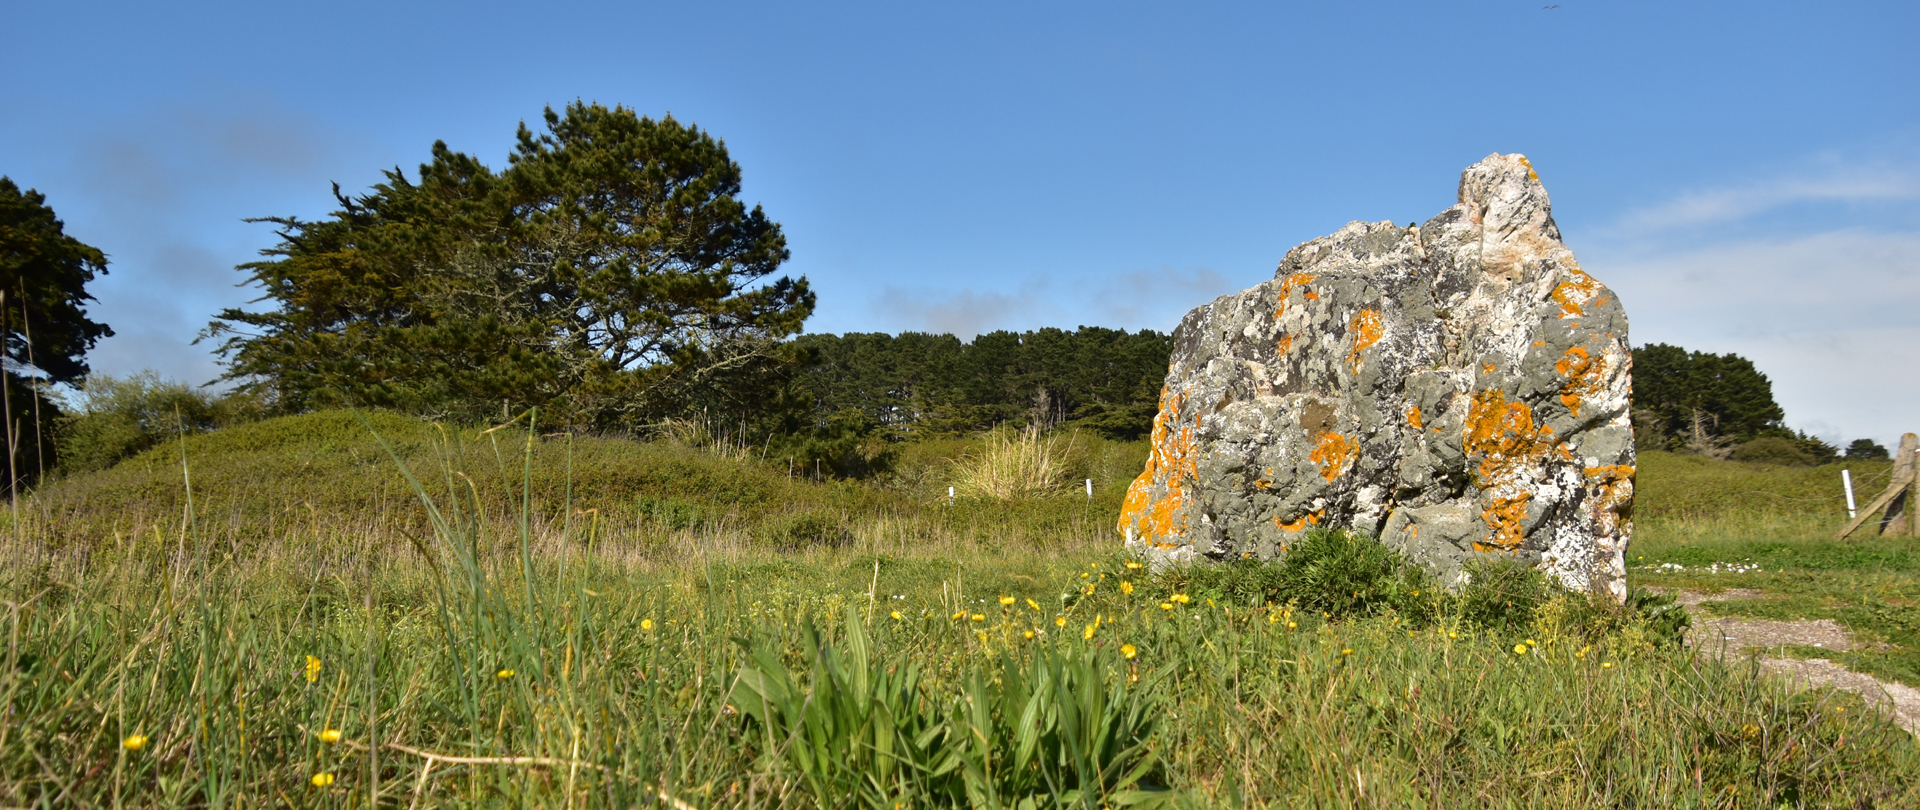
610, 276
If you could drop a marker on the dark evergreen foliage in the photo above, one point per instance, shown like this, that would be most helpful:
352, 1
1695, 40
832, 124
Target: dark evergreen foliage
1699, 401
44, 329
1866, 449
609, 275
915, 384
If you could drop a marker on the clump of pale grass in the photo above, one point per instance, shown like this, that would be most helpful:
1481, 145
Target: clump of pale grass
1013, 466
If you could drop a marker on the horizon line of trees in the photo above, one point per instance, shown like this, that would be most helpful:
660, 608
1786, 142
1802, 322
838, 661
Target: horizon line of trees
610, 276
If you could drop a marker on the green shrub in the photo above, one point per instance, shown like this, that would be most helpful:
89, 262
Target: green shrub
1773, 450
1339, 573
1502, 594
111, 419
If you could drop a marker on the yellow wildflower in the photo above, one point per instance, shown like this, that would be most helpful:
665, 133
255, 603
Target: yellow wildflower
322, 779
1132, 566
1126, 587
313, 669
979, 617
646, 625
1347, 651
1291, 625
1027, 635
1519, 649
1089, 632
1166, 605
958, 615
1182, 598
503, 674
1607, 665
330, 736
896, 615
1087, 589
1006, 601
1127, 651
1059, 621
1033, 604
134, 742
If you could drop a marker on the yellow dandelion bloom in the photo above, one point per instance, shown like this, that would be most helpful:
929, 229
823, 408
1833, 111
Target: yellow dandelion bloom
1166, 605
1006, 601
330, 736
313, 669
1027, 635
1532, 643
1607, 665
504, 674
896, 615
1291, 625
322, 779
1087, 589
1089, 632
1126, 587
1083, 575
1132, 566
134, 742
1128, 651
958, 615
1273, 618
1059, 621
1347, 651
646, 625
1182, 598
979, 617
1033, 604
1519, 649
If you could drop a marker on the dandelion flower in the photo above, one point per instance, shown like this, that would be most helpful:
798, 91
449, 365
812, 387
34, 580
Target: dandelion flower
504, 674
330, 736
896, 615
1089, 632
135, 742
958, 615
1532, 643
313, 669
646, 625
1006, 601
1291, 625
1453, 635
979, 617
1087, 589
1059, 621
1166, 605
1126, 587
1027, 635
1132, 566
1032, 604
1347, 651
1273, 618
1607, 665
1128, 651
1182, 598
1083, 575
322, 779
1519, 649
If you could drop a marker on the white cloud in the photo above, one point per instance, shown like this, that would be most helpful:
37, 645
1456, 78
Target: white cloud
1835, 182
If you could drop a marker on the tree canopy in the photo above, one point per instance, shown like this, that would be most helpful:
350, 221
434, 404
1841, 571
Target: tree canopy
1683, 398
609, 274
45, 331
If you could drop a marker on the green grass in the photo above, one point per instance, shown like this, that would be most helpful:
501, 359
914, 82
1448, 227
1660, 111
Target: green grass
655, 648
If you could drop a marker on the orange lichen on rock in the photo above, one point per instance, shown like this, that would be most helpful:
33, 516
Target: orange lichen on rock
1611, 498
1585, 375
1284, 345
1366, 330
1287, 286
1573, 294
1301, 523
1171, 464
1505, 437
1506, 518
1335, 453
1413, 416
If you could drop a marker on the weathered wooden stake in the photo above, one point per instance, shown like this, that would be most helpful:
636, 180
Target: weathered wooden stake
1899, 518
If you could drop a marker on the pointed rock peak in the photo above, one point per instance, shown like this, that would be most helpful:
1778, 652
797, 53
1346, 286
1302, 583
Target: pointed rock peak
1504, 195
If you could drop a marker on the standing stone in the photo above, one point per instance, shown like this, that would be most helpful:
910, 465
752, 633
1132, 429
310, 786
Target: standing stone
1457, 389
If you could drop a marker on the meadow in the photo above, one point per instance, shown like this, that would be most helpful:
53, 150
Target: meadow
337, 610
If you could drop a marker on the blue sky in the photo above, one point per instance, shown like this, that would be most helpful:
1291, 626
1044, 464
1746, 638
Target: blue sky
1746, 175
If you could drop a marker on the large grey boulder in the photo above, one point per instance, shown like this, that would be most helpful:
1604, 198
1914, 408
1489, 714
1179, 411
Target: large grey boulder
1456, 389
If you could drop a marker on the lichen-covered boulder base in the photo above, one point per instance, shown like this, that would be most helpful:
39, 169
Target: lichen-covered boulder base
1457, 389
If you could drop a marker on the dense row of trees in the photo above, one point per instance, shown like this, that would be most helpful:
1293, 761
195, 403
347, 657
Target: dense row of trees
1104, 380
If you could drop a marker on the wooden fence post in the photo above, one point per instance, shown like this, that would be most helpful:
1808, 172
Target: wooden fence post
1901, 500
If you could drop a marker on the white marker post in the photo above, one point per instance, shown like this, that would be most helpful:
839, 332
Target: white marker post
1846, 480
949, 496
1089, 489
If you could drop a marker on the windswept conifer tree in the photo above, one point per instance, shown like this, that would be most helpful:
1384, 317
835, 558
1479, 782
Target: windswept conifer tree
609, 274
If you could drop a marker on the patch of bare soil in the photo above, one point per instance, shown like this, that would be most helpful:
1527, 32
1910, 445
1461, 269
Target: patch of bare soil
1733, 636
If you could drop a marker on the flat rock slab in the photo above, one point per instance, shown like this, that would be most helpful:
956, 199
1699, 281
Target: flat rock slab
1763, 634
1900, 701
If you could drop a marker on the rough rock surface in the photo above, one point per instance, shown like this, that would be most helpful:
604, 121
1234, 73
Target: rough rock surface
1456, 388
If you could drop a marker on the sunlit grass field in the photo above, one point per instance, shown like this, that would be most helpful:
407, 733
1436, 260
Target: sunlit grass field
285, 619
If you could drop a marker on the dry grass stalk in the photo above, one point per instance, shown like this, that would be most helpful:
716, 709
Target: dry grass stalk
1013, 467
